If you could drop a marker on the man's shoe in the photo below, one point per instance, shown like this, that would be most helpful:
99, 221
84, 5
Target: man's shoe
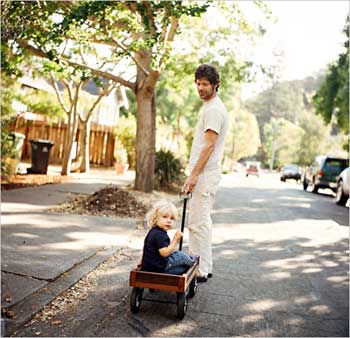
210, 275
201, 279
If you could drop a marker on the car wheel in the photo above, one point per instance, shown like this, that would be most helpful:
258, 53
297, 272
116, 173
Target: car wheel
340, 197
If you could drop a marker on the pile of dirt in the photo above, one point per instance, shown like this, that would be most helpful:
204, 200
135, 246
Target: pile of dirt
109, 201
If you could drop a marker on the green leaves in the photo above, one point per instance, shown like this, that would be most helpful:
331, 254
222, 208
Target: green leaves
332, 98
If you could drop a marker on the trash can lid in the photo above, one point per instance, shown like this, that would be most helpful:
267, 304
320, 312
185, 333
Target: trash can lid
48, 142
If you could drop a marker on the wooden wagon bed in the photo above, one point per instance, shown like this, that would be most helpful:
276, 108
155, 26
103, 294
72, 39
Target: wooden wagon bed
184, 285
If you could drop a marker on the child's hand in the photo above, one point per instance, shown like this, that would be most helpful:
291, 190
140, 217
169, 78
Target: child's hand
178, 235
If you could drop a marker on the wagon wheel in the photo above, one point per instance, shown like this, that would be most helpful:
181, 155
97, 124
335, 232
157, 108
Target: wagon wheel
135, 299
193, 287
181, 304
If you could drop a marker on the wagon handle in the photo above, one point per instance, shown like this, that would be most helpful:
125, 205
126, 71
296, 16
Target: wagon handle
185, 198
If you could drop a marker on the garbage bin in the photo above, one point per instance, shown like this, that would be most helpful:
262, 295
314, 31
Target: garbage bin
40, 150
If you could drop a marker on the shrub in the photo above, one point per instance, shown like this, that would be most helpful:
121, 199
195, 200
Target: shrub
125, 132
168, 170
8, 115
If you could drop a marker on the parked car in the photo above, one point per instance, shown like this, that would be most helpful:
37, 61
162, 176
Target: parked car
323, 172
343, 182
290, 171
252, 169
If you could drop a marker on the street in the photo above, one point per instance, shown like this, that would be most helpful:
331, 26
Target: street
280, 269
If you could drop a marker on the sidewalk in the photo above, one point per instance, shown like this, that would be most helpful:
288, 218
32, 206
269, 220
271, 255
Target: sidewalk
44, 253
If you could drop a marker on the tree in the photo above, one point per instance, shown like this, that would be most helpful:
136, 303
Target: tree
282, 142
218, 43
137, 32
244, 136
332, 98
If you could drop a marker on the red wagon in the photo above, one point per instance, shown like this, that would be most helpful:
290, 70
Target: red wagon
184, 285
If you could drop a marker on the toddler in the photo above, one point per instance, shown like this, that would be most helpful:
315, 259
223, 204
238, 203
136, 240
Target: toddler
159, 253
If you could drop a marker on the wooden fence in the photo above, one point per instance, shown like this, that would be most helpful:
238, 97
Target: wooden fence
102, 140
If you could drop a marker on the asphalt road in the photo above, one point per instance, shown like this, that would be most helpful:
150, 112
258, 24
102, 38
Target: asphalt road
280, 270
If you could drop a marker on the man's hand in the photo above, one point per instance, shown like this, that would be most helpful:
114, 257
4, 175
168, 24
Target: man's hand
189, 184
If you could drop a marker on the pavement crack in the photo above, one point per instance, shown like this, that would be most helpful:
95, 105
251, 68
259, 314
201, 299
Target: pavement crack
27, 276
139, 326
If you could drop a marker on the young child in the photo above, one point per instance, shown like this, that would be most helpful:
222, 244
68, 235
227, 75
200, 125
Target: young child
159, 253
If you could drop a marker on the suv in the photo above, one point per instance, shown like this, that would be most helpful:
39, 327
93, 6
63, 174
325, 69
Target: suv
323, 172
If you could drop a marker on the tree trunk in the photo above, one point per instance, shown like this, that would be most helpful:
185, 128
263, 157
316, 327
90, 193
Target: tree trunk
68, 151
145, 143
146, 122
273, 151
84, 147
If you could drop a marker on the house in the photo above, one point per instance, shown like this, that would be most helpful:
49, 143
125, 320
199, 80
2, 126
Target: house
106, 113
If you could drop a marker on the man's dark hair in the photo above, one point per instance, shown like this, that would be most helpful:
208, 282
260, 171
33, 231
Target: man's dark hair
210, 73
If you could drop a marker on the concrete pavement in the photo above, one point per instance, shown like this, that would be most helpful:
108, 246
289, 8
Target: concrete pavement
44, 253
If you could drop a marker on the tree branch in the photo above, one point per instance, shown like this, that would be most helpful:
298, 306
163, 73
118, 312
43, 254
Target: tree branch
103, 93
169, 37
150, 17
58, 94
106, 75
69, 90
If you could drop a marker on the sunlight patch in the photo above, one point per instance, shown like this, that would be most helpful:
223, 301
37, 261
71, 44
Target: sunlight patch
252, 318
24, 235
311, 270
320, 309
337, 279
264, 305
305, 299
278, 275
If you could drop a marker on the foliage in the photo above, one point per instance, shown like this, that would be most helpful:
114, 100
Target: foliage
168, 170
125, 131
43, 103
8, 115
332, 98
216, 43
291, 101
299, 143
137, 34
243, 138
283, 100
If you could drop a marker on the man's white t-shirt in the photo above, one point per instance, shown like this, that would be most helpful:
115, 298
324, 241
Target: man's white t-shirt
213, 116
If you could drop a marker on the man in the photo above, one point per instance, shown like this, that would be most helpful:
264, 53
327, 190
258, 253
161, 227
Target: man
204, 166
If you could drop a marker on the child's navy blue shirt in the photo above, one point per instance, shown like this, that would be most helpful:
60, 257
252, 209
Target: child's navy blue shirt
156, 239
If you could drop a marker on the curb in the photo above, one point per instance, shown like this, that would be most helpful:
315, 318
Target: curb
28, 307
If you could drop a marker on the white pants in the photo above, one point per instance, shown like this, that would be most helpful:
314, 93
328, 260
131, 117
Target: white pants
200, 223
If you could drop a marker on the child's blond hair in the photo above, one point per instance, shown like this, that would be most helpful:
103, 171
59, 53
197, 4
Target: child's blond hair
160, 208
